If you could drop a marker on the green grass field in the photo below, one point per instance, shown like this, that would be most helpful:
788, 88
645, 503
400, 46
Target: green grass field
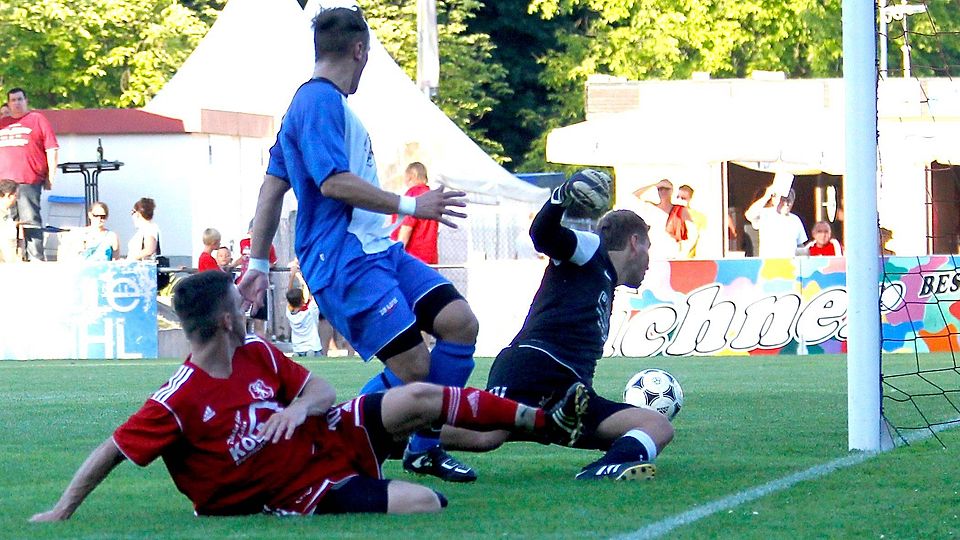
747, 421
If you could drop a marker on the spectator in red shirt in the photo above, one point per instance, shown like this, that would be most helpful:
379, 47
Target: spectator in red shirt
418, 236
211, 243
258, 319
823, 243
242, 429
28, 155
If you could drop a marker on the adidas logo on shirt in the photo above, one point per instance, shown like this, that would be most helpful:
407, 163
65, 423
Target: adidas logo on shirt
208, 414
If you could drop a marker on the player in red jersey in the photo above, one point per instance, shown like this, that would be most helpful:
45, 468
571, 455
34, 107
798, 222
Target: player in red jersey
242, 429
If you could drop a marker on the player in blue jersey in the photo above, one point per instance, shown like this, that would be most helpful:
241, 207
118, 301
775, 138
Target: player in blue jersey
375, 294
564, 333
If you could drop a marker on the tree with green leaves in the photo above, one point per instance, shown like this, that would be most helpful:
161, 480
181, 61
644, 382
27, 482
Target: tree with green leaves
672, 39
471, 83
89, 53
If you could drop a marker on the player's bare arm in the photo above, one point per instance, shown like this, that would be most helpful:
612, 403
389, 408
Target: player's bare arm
316, 397
97, 466
265, 222
436, 204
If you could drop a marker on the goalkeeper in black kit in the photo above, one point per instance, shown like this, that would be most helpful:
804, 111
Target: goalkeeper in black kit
565, 330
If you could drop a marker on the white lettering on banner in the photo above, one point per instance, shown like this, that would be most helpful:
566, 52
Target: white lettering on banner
114, 334
767, 323
122, 294
824, 317
709, 326
706, 322
87, 339
647, 332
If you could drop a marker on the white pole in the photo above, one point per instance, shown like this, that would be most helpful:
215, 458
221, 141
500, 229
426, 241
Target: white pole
862, 236
428, 48
884, 28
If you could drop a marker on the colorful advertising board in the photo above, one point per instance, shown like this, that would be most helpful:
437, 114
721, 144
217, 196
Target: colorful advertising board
78, 310
781, 306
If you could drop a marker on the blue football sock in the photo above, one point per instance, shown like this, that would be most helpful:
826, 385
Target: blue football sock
382, 381
450, 365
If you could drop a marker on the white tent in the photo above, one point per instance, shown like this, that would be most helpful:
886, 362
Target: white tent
260, 51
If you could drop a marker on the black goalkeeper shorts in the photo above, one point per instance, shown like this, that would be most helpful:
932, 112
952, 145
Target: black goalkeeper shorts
533, 378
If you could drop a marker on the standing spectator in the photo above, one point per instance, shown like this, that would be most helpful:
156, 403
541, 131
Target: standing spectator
823, 243
99, 242
304, 317
145, 244
781, 231
698, 221
257, 322
8, 225
4, 111
418, 236
667, 221
374, 293
211, 243
28, 155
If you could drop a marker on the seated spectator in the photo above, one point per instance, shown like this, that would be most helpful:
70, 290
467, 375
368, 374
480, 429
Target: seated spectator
145, 244
211, 243
823, 243
99, 242
304, 316
8, 225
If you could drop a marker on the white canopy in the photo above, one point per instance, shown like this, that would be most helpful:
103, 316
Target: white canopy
795, 124
259, 52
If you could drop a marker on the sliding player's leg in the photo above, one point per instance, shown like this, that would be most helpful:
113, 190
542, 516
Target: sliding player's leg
631, 436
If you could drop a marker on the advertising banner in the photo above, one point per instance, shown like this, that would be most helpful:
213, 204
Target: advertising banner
81, 310
781, 306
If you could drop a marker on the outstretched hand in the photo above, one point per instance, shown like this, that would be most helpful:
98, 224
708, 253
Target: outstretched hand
436, 204
252, 287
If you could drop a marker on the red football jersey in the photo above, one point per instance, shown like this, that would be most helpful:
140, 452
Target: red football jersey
207, 432
423, 234
207, 262
245, 254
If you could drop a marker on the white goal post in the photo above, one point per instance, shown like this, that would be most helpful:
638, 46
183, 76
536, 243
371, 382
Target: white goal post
861, 222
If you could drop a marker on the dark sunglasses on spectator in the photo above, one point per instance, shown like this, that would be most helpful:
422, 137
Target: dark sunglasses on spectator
101, 216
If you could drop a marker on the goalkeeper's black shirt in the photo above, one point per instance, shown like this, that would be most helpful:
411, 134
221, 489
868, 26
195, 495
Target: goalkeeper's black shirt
570, 314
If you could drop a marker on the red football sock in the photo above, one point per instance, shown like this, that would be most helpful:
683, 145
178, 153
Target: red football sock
476, 409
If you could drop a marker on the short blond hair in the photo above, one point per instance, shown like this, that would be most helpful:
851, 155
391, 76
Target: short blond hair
211, 236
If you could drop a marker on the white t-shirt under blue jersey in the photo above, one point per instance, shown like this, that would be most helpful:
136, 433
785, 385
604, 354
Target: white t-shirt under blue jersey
319, 137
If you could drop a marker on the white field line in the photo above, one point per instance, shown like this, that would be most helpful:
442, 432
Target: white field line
664, 526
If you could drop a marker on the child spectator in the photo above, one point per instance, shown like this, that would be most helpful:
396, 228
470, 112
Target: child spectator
8, 225
304, 316
225, 259
211, 243
823, 243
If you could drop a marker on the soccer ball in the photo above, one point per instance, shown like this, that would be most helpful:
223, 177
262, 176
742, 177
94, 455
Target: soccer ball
655, 389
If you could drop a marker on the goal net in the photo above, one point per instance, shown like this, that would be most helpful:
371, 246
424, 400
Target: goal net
918, 106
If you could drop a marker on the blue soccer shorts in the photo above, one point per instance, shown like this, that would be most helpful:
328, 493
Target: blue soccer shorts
370, 300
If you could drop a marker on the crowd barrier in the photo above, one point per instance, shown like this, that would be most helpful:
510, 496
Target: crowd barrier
707, 307
78, 310
782, 306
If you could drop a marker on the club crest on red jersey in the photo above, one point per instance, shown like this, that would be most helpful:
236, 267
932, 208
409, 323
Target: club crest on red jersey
260, 390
